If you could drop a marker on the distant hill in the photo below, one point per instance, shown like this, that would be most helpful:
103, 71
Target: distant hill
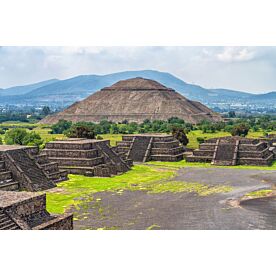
66, 92
20, 90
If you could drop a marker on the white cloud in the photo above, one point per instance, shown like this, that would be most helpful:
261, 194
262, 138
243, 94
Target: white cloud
210, 67
235, 54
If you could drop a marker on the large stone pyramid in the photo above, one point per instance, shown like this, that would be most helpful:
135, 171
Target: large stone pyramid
135, 100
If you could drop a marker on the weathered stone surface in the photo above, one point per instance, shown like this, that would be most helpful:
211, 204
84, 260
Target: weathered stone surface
23, 168
233, 151
146, 147
27, 211
88, 157
135, 100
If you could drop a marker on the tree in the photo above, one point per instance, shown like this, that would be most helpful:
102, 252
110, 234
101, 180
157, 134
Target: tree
61, 126
1, 142
240, 130
46, 110
20, 136
15, 136
32, 139
232, 114
81, 130
180, 135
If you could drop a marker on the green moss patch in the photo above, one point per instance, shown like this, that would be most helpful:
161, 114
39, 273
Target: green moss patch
260, 193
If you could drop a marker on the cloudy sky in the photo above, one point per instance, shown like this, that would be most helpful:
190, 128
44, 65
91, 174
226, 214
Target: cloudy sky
251, 69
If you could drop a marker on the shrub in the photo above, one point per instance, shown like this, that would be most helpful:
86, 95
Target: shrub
180, 135
200, 140
240, 130
81, 130
15, 136
61, 126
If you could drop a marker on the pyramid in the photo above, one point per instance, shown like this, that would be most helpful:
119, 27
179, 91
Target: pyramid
135, 100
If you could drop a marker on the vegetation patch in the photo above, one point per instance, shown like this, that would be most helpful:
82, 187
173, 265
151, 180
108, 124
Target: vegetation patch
184, 164
78, 189
259, 193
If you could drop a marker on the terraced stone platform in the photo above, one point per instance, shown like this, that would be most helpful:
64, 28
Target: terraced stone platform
23, 168
146, 147
233, 151
88, 157
27, 211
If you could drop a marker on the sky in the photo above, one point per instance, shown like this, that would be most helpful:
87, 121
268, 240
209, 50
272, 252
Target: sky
250, 69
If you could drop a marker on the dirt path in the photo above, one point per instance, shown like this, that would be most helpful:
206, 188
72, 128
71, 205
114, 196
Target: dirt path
142, 210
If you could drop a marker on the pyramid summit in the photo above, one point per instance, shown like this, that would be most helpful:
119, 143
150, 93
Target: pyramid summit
135, 100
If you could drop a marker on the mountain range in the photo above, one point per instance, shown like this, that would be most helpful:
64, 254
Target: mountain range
62, 93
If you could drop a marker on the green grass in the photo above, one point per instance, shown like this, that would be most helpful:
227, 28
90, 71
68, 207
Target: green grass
79, 190
113, 138
260, 193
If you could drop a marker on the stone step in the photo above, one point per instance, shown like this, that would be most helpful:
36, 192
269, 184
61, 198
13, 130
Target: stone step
5, 175
2, 165
87, 171
192, 158
41, 158
50, 167
203, 152
9, 186
90, 153
80, 162
58, 176
171, 144
167, 158
170, 151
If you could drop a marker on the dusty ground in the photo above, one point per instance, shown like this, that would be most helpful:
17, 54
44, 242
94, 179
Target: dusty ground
142, 210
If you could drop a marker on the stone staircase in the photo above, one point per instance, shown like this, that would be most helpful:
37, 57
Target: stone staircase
139, 148
7, 183
51, 168
85, 157
146, 147
233, 151
225, 154
37, 177
112, 157
6, 223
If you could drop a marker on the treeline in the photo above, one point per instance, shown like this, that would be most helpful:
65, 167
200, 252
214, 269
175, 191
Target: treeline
236, 126
107, 127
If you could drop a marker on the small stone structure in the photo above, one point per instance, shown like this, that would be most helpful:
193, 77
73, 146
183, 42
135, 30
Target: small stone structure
229, 151
27, 211
146, 147
88, 157
24, 168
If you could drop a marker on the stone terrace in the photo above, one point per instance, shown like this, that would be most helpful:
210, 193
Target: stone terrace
146, 147
27, 211
24, 168
86, 157
233, 151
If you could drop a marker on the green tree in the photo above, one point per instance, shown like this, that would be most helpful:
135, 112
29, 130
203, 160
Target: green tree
240, 130
15, 136
61, 126
46, 110
82, 130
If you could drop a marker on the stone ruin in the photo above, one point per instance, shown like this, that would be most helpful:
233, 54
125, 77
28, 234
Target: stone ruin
146, 147
26, 211
231, 151
24, 168
88, 157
